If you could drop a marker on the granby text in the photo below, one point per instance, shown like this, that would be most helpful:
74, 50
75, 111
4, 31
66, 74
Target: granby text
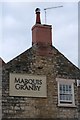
27, 84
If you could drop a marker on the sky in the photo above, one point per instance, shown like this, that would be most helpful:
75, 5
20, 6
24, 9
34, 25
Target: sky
17, 19
79, 35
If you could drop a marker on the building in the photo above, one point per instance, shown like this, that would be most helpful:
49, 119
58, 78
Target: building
1, 64
41, 82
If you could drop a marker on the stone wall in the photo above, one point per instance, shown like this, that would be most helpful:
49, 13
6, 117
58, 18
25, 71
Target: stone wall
79, 101
0, 89
54, 65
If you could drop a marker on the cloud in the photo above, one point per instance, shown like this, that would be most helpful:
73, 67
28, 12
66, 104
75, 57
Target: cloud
9, 21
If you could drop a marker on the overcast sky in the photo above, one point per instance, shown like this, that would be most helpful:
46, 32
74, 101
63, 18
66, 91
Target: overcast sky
17, 19
79, 34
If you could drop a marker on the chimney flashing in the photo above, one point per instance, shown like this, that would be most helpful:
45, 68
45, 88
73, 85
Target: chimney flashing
42, 25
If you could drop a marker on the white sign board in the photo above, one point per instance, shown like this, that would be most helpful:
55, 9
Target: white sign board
27, 85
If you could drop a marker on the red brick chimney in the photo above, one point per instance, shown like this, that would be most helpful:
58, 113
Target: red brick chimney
41, 34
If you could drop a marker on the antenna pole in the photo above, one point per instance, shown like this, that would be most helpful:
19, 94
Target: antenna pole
45, 16
50, 8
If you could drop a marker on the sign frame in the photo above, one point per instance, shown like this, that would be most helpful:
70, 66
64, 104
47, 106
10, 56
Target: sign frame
27, 85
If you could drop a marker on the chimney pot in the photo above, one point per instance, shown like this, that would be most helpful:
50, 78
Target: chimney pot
38, 21
37, 10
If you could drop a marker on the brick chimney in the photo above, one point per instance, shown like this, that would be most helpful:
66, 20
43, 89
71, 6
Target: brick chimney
41, 34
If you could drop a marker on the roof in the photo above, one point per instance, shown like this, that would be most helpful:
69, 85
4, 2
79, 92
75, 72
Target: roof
1, 62
63, 65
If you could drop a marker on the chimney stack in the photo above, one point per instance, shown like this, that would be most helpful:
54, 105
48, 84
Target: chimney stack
41, 34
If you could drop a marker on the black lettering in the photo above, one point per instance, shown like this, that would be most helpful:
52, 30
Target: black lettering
40, 82
35, 88
31, 81
17, 80
26, 87
26, 81
17, 86
22, 81
31, 87
22, 87
38, 88
37, 82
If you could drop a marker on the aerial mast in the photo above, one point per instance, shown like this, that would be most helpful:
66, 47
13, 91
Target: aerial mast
45, 9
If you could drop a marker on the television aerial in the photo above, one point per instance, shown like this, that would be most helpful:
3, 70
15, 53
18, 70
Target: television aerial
45, 9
